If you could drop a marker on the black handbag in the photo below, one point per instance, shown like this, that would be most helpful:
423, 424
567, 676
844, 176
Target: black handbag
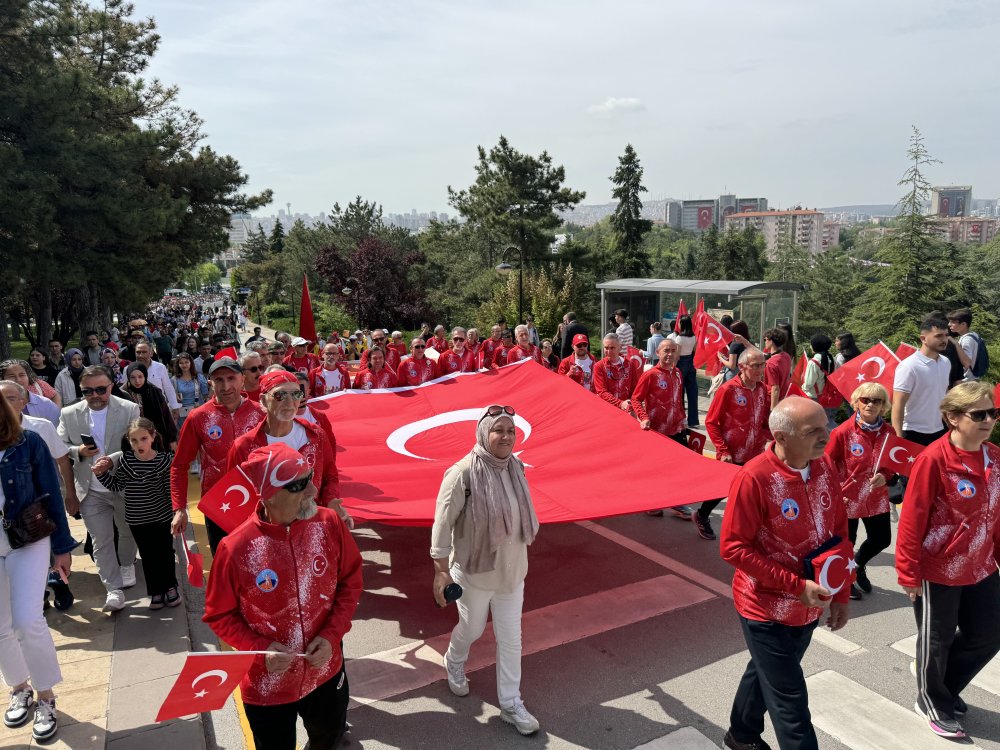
32, 524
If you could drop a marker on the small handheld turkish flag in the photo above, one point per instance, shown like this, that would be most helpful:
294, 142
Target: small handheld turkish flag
696, 441
794, 390
898, 455
231, 500
681, 311
877, 365
205, 682
904, 350
195, 566
832, 566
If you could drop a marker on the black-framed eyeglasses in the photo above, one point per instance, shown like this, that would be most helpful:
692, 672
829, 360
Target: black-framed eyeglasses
868, 401
458, 338
582, 343
102, 389
981, 415
299, 484
294, 395
419, 346
495, 410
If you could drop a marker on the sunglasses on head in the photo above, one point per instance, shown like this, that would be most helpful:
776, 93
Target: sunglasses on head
294, 395
981, 415
867, 401
496, 410
299, 484
102, 389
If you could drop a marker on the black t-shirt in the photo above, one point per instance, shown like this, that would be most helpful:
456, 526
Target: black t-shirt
47, 373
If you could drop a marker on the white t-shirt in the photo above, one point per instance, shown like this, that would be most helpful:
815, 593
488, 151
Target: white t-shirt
926, 380
685, 344
98, 421
970, 344
332, 378
587, 365
294, 439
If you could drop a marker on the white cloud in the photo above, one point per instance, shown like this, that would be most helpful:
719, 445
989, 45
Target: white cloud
614, 104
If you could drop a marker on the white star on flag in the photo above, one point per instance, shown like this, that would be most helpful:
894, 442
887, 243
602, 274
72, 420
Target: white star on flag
910, 459
861, 377
300, 462
225, 507
201, 694
851, 565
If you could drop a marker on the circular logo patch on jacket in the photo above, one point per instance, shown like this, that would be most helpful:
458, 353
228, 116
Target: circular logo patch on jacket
215, 432
966, 488
857, 449
741, 400
790, 509
267, 580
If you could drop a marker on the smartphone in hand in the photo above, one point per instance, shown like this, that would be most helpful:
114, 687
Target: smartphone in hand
88, 440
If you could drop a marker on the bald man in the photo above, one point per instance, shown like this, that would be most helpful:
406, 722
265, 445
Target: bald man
783, 506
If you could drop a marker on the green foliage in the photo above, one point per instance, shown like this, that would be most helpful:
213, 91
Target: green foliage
550, 299
732, 255
629, 258
276, 242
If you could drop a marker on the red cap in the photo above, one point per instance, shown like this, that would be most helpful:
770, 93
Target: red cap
271, 380
580, 338
271, 467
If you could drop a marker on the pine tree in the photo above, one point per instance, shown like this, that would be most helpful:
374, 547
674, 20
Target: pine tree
628, 258
277, 238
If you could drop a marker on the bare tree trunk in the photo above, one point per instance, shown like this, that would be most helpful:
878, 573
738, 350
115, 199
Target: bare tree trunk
86, 309
4, 337
42, 307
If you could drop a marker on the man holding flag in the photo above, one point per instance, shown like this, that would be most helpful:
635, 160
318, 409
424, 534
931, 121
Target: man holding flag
288, 582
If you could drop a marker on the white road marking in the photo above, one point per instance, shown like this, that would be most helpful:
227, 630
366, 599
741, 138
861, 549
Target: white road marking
418, 664
988, 679
862, 719
686, 738
836, 642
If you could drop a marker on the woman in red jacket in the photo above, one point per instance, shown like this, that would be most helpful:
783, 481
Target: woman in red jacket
854, 448
376, 375
947, 550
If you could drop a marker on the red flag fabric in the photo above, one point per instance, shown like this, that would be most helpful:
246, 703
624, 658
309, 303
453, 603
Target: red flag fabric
877, 365
713, 339
798, 375
794, 390
834, 569
231, 499
307, 324
206, 680
904, 350
897, 455
696, 441
395, 445
700, 307
229, 351
195, 566
681, 310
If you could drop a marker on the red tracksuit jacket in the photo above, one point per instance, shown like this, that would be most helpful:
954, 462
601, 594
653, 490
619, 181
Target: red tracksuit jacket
208, 431
773, 520
855, 452
415, 372
614, 381
487, 351
392, 359
949, 526
451, 361
317, 383
288, 585
518, 353
659, 397
737, 420
367, 380
305, 364
320, 451
580, 376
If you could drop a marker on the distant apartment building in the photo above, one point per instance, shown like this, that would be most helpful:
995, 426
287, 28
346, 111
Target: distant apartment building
831, 234
799, 226
239, 228
698, 215
964, 230
951, 200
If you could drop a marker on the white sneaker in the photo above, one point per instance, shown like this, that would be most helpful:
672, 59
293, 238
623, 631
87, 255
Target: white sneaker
46, 724
518, 715
457, 682
115, 601
128, 576
21, 703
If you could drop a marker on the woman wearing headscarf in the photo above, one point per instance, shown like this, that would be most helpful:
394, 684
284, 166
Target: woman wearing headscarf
483, 525
109, 358
152, 404
68, 380
947, 550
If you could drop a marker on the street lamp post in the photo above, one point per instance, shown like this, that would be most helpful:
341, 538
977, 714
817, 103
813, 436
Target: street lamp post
351, 285
505, 268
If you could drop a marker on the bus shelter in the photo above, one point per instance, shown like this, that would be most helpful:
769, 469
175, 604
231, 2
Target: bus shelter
762, 304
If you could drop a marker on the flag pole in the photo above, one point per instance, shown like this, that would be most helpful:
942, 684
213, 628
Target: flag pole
879, 461
890, 350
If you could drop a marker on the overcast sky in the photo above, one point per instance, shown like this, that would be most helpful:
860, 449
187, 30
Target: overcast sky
798, 102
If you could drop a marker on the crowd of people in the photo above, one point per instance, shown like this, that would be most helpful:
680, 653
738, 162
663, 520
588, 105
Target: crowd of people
122, 421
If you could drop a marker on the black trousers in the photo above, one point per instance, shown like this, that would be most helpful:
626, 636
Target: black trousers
878, 532
920, 438
156, 547
774, 683
957, 635
215, 534
706, 508
323, 712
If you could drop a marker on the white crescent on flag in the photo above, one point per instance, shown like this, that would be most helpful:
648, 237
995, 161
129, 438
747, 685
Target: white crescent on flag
824, 574
881, 366
892, 454
220, 673
399, 437
241, 490
718, 332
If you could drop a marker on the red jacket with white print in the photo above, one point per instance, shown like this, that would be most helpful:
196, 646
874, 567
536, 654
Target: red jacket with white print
737, 420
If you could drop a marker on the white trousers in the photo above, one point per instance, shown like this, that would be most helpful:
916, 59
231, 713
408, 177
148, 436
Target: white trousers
473, 607
26, 647
101, 511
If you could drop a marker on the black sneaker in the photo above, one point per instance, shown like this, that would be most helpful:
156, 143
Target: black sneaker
947, 728
855, 592
703, 525
63, 596
734, 744
863, 583
961, 707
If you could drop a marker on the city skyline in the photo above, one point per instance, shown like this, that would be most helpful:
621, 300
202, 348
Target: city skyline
802, 103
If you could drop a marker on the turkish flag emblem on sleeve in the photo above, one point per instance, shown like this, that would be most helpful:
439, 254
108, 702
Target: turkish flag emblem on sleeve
898, 455
206, 680
231, 500
696, 441
877, 365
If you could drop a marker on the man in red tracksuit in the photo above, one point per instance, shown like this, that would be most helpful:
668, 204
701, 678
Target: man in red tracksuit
506, 345
301, 358
524, 349
392, 355
489, 348
783, 505
614, 377
459, 358
419, 368
737, 424
579, 365
207, 435
288, 581
333, 375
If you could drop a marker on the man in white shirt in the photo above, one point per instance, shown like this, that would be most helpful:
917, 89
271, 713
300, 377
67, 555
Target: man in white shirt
624, 330
920, 383
158, 376
960, 323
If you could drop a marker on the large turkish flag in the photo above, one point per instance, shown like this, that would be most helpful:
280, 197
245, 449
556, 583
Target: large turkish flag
877, 365
583, 457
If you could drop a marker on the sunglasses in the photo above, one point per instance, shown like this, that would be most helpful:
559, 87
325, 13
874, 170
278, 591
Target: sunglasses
981, 415
458, 338
378, 341
299, 484
582, 343
496, 410
868, 401
102, 389
255, 368
294, 395
419, 346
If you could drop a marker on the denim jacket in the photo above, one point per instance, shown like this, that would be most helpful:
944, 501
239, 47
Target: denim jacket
28, 472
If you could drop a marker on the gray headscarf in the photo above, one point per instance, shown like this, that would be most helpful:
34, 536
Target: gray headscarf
487, 507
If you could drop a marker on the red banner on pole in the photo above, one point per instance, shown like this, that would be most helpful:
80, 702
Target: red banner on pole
307, 324
583, 457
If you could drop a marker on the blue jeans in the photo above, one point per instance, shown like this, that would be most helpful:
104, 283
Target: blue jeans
686, 365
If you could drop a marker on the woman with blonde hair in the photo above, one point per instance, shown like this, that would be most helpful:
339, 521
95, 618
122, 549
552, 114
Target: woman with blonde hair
854, 448
947, 550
